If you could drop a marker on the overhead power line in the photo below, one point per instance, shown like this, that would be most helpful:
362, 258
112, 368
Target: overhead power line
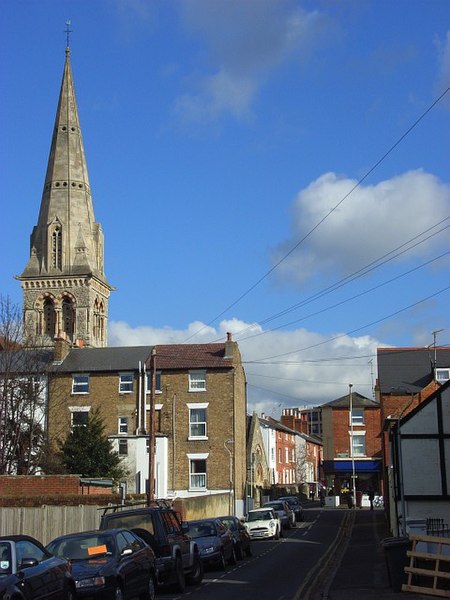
331, 211
353, 331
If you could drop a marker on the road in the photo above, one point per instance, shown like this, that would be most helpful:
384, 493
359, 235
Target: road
291, 568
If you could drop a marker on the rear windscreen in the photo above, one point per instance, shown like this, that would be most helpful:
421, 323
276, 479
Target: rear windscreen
138, 521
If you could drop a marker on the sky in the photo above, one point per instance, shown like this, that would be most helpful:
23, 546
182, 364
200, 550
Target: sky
276, 169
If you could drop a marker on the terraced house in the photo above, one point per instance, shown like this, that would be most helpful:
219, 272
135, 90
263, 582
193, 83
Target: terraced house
199, 406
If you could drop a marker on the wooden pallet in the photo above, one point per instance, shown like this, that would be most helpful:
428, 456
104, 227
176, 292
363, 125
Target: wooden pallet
438, 558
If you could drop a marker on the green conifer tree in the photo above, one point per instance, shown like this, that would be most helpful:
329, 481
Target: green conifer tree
87, 451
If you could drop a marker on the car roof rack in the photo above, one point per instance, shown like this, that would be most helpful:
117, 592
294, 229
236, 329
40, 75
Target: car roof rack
159, 503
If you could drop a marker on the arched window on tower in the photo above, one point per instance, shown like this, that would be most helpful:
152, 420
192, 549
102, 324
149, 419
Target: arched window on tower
57, 248
49, 317
68, 317
101, 333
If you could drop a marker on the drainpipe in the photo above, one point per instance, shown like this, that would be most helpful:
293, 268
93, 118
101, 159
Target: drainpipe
139, 403
151, 445
174, 445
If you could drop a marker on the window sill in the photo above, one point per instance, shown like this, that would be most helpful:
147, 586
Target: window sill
121, 393
198, 390
193, 438
80, 393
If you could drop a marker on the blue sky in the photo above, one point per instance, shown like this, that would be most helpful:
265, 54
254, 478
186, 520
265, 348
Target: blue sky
224, 141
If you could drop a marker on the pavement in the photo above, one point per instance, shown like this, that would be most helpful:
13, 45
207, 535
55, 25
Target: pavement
361, 572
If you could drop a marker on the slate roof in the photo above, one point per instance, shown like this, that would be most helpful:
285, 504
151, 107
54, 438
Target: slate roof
274, 424
358, 401
127, 358
26, 360
114, 358
408, 370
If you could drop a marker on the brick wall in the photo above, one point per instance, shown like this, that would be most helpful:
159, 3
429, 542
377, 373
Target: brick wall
35, 485
28, 486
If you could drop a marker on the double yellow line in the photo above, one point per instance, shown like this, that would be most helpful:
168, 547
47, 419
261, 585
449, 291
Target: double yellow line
331, 558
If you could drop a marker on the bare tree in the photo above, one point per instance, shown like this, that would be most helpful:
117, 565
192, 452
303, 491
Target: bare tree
23, 394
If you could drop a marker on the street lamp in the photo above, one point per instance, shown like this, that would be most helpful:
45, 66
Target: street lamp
350, 395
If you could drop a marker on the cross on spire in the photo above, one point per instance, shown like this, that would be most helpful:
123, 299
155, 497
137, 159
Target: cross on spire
68, 32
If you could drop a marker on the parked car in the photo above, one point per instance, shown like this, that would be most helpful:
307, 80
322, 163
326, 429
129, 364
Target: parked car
177, 556
263, 523
285, 514
214, 540
114, 564
28, 571
241, 537
295, 505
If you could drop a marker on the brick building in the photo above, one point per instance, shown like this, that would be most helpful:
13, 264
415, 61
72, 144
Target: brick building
280, 446
351, 440
200, 412
309, 448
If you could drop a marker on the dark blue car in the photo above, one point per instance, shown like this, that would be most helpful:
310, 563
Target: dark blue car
214, 541
109, 565
28, 571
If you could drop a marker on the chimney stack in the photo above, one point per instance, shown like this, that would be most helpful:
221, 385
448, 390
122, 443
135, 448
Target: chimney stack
62, 346
229, 346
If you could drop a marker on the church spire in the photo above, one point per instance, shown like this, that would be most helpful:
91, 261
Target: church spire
66, 249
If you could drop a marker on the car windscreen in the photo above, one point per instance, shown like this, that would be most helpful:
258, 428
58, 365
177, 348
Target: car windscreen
260, 515
199, 529
82, 547
140, 520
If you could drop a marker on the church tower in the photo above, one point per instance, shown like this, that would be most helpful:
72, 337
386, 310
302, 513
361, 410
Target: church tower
64, 285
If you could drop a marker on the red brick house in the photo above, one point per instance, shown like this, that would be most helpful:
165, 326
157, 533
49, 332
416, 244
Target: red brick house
352, 443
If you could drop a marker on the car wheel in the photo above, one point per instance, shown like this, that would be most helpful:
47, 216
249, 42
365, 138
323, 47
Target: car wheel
70, 595
232, 561
196, 575
150, 593
180, 581
277, 535
281, 532
248, 550
221, 563
118, 593
238, 551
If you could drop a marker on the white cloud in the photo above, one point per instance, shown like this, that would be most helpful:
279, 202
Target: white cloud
244, 42
394, 211
292, 368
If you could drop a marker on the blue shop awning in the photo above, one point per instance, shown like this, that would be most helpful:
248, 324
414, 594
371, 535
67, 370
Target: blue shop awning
341, 467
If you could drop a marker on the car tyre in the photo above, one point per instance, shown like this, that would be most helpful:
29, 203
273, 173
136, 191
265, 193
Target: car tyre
70, 593
248, 551
238, 551
118, 592
222, 564
196, 575
277, 534
281, 532
150, 593
232, 561
180, 580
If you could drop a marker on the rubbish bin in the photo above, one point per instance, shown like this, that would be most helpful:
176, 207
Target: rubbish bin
395, 549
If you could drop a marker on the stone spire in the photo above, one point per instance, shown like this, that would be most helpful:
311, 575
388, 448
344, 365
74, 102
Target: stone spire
65, 288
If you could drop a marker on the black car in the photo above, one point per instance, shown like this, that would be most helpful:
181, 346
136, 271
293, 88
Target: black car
177, 556
29, 571
295, 505
241, 537
114, 564
215, 542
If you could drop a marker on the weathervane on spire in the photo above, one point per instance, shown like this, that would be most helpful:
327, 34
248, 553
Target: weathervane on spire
68, 32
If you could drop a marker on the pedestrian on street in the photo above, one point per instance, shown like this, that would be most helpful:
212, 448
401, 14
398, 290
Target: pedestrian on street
371, 495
